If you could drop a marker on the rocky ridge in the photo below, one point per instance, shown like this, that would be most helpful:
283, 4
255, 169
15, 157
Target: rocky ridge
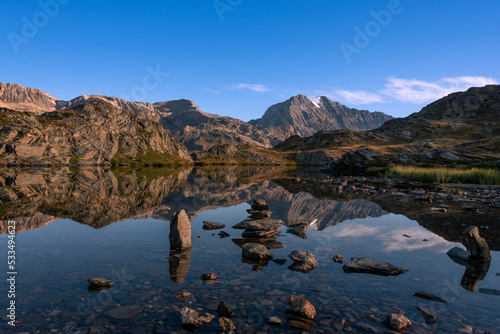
93, 133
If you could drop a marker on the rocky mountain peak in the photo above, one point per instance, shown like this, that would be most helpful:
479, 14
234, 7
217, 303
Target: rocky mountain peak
310, 115
17, 97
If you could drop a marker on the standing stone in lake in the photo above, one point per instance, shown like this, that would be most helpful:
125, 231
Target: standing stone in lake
180, 231
476, 245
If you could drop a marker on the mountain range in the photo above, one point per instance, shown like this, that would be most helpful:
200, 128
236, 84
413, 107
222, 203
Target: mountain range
199, 130
38, 129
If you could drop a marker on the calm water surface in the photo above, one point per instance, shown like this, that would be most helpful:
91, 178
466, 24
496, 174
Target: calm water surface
54, 259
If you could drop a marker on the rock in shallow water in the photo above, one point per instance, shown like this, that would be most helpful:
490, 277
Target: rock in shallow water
368, 266
226, 325
303, 261
256, 252
397, 322
429, 296
475, 244
223, 310
259, 225
97, 283
428, 316
180, 231
274, 321
191, 319
209, 276
259, 234
300, 307
212, 225
125, 312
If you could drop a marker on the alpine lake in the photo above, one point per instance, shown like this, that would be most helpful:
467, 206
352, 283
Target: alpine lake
72, 225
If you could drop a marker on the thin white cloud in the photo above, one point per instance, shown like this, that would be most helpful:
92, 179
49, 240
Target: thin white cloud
419, 91
412, 90
359, 96
253, 87
213, 91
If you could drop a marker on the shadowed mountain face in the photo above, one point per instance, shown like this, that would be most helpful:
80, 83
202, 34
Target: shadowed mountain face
102, 197
94, 197
308, 116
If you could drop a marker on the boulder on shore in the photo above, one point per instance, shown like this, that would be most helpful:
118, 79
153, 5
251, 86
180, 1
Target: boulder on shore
368, 266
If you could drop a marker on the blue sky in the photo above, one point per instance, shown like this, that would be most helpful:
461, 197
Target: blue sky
237, 57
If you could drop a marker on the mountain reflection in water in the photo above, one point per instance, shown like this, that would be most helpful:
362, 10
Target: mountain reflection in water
135, 252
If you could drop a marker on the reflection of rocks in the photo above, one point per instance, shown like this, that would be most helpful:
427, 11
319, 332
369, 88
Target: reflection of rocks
474, 272
259, 234
259, 225
298, 230
178, 265
476, 258
269, 243
27, 223
96, 197
368, 266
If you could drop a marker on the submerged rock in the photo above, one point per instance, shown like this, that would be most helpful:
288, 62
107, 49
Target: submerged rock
300, 307
97, 283
303, 261
223, 234
209, 277
256, 252
492, 292
125, 312
397, 322
428, 316
429, 296
191, 319
180, 231
476, 245
368, 266
274, 321
223, 310
459, 255
226, 325
212, 225
259, 225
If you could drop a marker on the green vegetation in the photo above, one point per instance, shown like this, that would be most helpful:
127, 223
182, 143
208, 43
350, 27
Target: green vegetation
446, 175
146, 133
74, 160
148, 158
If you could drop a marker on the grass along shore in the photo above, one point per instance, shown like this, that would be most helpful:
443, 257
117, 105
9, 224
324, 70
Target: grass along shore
446, 175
